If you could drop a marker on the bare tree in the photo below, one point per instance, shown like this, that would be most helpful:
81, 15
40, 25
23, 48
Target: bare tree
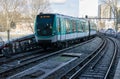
114, 10
10, 10
36, 7
14, 10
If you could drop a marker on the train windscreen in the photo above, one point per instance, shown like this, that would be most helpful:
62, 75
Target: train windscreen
44, 25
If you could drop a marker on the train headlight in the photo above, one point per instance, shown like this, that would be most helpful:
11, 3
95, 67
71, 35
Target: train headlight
50, 27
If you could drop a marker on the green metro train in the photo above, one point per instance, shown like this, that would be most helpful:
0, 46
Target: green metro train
61, 30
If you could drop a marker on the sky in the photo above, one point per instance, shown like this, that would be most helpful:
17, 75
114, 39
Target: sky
88, 7
66, 7
76, 8
118, 3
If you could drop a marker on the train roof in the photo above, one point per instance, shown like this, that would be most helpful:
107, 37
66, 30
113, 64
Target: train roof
61, 15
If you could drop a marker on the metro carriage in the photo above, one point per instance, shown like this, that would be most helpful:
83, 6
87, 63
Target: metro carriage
59, 30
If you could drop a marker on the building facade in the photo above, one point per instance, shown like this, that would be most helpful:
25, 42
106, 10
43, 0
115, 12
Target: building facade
109, 12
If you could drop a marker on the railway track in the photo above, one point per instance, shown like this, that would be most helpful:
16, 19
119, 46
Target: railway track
32, 62
49, 60
114, 71
78, 69
22, 55
21, 59
97, 67
112, 59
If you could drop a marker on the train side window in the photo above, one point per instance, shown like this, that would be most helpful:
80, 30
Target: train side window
83, 26
80, 27
75, 29
92, 26
67, 23
73, 26
58, 25
86, 26
77, 23
63, 26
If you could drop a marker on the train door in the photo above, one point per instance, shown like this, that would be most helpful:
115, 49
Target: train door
58, 24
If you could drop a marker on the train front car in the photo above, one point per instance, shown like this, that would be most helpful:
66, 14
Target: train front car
44, 26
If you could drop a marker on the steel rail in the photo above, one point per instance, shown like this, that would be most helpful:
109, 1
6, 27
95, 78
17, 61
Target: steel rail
86, 61
4, 73
113, 58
